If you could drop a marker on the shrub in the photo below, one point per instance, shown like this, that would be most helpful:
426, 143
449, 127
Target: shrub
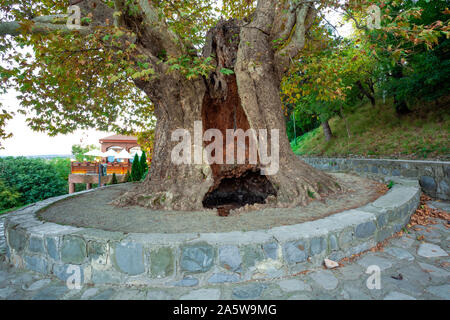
136, 173
34, 179
127, 177
144, 165
114, 179
9, 197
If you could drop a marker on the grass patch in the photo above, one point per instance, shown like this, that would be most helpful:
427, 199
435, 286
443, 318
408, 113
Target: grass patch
378, 132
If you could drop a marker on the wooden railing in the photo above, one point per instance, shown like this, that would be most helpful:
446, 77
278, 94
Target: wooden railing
92, 168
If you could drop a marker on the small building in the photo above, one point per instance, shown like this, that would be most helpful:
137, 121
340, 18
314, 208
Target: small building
87, 172
119, 141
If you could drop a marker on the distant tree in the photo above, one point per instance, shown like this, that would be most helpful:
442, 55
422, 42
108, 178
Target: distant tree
34, 179
136, 172
9, 197
78, 152
114, 179
144, 165
127, 177
62, 166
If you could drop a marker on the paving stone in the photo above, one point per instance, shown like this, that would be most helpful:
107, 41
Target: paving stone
252, 255
249, 291
371, 260
37, 285
399, 253
406, 284
442, 292
300, 297
351, 272
295, 252
104, 295
36, 245
429, 250
22, 279
202, 294
129, 258
105, 277
333, 243
318, 245
3, 276
37, 264
355, 292
230, 258
197, 258
73, 250
403, 242
64, 271
158, 295
365, 230
398, 296
6, 292
434, 271
292, 285
162, 262
17, 239
73, 294
428, 184
89, 293
271, 250
445, 206
430, 234
129, 294
186, 282
51, 293
415, 273
223, 278
52, 248
325, 279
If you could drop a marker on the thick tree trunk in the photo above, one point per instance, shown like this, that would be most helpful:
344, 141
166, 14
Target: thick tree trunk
327, 131
369, 95
248, 99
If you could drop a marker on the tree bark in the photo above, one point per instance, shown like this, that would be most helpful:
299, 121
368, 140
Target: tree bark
369, 95
327, 131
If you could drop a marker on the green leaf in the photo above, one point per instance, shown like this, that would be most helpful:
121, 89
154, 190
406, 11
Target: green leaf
226, 71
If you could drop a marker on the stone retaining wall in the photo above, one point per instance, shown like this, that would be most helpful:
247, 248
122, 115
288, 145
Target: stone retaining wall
207, 258
434, 176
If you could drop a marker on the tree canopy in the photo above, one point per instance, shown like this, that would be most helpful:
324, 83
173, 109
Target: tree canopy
87, 78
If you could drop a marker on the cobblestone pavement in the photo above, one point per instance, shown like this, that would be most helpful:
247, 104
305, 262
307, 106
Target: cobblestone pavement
411, 267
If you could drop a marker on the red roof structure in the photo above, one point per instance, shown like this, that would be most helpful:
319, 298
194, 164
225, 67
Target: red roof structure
117, 140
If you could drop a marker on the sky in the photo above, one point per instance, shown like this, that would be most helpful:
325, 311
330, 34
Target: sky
26, 142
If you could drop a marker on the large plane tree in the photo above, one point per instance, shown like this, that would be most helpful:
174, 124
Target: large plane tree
220, 63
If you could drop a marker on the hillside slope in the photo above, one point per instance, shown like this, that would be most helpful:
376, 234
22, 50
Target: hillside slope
377, 132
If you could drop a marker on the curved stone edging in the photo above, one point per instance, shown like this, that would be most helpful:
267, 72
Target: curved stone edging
207, 258
433, 176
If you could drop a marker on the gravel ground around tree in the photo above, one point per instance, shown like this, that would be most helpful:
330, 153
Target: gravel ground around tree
92, 210
413, 266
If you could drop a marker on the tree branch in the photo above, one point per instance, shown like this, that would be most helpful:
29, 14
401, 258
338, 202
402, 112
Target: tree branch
14, 28
304, 16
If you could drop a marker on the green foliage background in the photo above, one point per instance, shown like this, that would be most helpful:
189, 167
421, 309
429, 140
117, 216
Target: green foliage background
34, 179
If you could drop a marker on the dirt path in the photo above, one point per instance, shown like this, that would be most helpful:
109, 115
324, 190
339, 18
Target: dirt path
92, 210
